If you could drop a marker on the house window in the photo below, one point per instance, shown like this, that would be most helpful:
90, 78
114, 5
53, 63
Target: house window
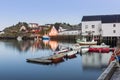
114, 25
93, 31
93, 26
114, 31
86, 26
86, 31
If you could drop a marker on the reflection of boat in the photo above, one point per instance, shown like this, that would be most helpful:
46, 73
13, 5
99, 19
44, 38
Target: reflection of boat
45, 37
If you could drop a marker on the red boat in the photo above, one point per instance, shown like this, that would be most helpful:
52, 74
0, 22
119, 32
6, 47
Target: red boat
57, 58
100, 50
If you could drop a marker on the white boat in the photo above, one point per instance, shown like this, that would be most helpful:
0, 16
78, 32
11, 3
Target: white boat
71, 54
83, 41
88, 42
84, 50
76, 47
61, 51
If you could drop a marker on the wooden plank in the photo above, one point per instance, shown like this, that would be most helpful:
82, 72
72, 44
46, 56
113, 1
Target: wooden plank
39, 60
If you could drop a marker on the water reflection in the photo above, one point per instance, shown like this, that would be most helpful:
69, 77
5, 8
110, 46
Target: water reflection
20, 46
95, 60
75, 68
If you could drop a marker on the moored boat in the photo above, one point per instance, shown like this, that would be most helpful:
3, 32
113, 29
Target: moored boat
57, 58
88, 43
84, 50
71, 54
84, 42
100, 50
61, 51
45, 37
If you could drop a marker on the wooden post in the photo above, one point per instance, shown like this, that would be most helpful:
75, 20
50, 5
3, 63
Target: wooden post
118, 42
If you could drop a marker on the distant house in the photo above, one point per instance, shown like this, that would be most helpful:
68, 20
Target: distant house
60, 31
2, 32
104, 25
33, 25
23, 28
53, 31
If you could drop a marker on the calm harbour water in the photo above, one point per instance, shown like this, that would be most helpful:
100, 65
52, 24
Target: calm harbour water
13, 65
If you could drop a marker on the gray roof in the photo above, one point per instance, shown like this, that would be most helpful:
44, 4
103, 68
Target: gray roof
103, 18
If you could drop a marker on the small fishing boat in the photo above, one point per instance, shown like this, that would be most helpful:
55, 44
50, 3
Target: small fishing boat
71, 54
61, 51
84, 50
57, 58
76, 47
88, 43
45, 37
84, 42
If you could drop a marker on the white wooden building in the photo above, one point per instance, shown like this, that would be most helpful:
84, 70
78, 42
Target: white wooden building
33, 25
104, 25
70, 32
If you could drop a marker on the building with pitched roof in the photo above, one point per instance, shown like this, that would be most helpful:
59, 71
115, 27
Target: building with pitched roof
101, 25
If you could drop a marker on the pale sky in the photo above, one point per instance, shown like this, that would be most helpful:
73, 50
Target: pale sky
51, 11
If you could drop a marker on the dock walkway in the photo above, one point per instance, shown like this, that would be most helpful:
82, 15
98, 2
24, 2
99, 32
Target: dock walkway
116, 75
112, 72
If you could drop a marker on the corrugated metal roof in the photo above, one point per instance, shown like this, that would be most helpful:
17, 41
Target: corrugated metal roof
103, 18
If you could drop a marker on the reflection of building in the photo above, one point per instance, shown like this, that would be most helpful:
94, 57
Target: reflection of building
46, 42
53, 45
24, 46
95, 60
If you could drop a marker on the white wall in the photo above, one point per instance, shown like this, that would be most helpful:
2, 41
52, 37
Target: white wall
74, 32
90, 23
33, 25
108, 29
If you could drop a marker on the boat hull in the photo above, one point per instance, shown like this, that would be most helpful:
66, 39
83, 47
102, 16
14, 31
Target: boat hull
88, 43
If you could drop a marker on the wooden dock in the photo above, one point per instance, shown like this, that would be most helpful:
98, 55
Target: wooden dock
112, 72
47, 60
44, 60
